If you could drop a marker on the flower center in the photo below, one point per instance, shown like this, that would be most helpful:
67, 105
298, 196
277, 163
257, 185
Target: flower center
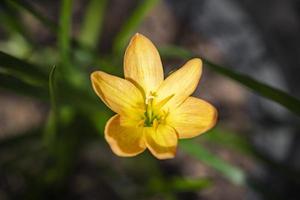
154, 115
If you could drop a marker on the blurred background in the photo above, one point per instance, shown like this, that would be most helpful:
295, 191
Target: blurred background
51, 122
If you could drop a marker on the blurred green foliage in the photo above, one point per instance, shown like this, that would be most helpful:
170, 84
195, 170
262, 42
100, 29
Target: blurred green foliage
288, 101
77, 116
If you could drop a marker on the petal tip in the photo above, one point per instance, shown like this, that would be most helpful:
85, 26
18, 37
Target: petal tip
93, 74
138, 37
93, 78
142, 63
196, 62
96, 74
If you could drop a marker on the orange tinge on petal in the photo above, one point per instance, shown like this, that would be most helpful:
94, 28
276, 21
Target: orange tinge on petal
124, 140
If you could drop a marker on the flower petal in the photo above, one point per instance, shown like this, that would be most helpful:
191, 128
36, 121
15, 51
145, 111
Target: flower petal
118, 94
161, 141
193, 117
142, 64
181, 83
124, 140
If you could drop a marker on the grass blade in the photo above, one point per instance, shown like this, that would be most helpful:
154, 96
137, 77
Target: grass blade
132, 24
188, 185
30, 9
9, 82
64, 32
51, 126
237, 143
264, 90
22, 69
177, 184
232, 173
92, 23
11, 23
274, 94
52, 88
231, 140
22, 5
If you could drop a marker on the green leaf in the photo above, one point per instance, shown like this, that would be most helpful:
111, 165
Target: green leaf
11, 23
22, 69
15, 72
22, 5
232, 173
236, 142
9, 82
177, 184
269, 92
30, 9
92, 23
64, 33
132, 23
229, 139
175, 52
67, 69
189, 185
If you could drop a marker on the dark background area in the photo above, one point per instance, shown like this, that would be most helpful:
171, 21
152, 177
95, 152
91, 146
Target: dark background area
257, 38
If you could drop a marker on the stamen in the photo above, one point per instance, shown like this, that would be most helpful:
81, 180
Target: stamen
153, 115
150, 98
163, 102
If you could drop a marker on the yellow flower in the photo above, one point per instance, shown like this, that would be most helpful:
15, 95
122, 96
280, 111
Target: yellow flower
152, 112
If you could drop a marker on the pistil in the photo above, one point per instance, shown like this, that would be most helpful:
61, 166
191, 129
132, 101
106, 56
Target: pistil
149, 114
153, 114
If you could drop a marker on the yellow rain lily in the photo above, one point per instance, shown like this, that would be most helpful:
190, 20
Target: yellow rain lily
152, 112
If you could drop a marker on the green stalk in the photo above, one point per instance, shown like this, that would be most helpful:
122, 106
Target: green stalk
64, 34
51, 126
92, 23
131, 25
